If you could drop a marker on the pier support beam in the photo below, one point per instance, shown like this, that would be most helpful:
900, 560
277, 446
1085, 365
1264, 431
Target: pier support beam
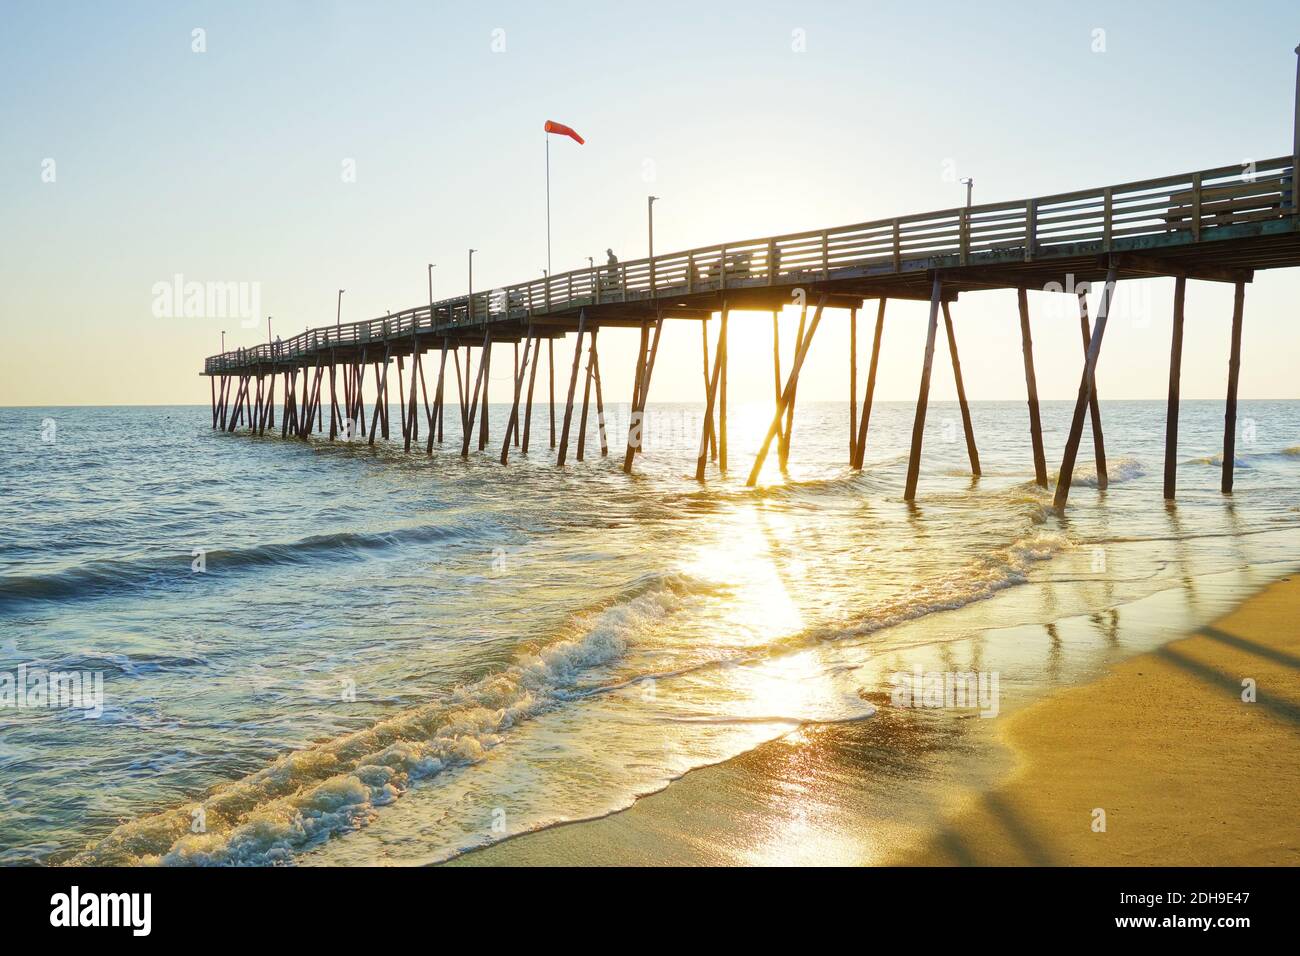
704, 343
381, 403
222, 401
1234, 369
438, 399
971, 451
1175, 377
1094, 406
462, 393
722, 396
853, 386
787, 394
424, 396
334, 403
600, 400
586, 394
532, 379
783, 449
573, 385
860, 448
472, 409
923, 397
776, 369
550, 352
515, 427
485, 366
512, 426
641, 392
270, 404
412, 422
358, 416
1085, 389
633, 420
719, 360
1031, 386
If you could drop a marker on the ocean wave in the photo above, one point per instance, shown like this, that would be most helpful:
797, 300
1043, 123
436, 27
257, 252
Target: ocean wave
100, 578
1242, 459
1118, 471
307, 796
981, 580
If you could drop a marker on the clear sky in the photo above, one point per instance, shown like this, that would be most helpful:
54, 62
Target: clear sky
228, 165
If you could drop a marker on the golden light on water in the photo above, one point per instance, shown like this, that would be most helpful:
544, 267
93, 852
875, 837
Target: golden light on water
739, 560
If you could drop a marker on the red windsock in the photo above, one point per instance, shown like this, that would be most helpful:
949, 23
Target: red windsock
554, 127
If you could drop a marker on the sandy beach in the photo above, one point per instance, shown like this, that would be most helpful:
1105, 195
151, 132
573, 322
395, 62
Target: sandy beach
1185, 770
1188, 773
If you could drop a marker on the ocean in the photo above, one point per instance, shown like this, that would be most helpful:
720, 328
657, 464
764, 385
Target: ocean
317, 653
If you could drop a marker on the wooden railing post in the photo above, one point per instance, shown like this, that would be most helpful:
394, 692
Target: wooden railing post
1295, 146
1196, 207
1107, 217
1031, 227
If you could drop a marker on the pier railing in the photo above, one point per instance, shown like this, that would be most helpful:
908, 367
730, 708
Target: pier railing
1153, 213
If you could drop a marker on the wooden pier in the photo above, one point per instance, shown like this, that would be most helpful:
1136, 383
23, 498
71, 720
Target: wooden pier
1214, 225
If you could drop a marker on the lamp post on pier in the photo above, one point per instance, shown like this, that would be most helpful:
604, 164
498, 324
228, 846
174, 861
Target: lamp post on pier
469, 301
650, 217
969, 183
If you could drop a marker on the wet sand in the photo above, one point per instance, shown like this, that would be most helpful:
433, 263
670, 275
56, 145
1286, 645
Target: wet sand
1186, 772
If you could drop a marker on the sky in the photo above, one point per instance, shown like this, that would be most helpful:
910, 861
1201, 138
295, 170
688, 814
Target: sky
304, 147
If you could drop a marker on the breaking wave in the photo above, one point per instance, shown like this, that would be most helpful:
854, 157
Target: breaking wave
307, 796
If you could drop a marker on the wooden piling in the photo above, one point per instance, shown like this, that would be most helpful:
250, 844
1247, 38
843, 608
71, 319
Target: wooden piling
853, 386
473, 403
704, 343
334, 405
411, 423
1031, 387
864, 419
776, 368
971, 450
439, 398
512, 426
709, 400
381, 393
1085, 389
722, 394
1094, 406
586, 395
1175, 377
634, 418
573, 385
600, 400
787, 434
550, 351
528, 406
923, 397
787, 394
485, 365
219, 417
1234, 369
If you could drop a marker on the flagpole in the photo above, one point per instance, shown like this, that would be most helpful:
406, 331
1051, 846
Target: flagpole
548, 202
